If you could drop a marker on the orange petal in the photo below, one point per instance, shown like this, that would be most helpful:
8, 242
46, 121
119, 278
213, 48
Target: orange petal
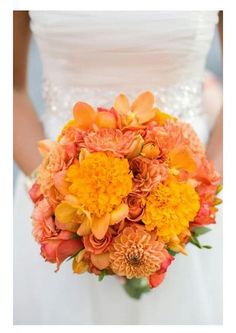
182, 159
44, 146
101, 261
84, 115
122, 104
105, 120
143, 107
60, 183
100, 226
119, 214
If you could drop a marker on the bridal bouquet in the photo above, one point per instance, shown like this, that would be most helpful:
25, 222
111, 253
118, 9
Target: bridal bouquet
122, 191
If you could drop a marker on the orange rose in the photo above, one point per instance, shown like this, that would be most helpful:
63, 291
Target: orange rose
97, 246
57, 249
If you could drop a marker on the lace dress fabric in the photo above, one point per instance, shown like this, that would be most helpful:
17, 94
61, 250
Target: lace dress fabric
92, 57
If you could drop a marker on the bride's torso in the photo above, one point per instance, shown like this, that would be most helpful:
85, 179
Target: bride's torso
93, 56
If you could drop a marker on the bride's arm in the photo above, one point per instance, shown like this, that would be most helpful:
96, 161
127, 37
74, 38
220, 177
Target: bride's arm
26, 125
215, 144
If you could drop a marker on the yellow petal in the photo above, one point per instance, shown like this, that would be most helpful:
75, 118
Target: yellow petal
119, 214
162, 117
79, 267
70, 123
143, 107
122, 104
85, 227
84, 115
100, 226
182, 159
65, 213
101, 261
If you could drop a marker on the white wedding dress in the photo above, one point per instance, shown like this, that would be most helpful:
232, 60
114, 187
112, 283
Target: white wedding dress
93, 56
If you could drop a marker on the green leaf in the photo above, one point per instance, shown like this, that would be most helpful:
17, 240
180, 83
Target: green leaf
102, 275
194, 240
200, 231
171, 252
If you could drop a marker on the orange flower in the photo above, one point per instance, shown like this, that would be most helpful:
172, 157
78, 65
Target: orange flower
43, 221
97, 246
147, 173
113, 140
135, 253
136, 207
139, 112
55, 160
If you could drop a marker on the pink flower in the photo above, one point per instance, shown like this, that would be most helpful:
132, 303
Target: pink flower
43, 221
113, 140
57, 249
136, 207
147, 174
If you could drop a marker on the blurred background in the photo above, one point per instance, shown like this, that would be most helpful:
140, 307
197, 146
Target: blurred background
214, 64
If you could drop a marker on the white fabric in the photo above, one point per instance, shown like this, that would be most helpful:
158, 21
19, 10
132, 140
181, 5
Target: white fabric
92, 56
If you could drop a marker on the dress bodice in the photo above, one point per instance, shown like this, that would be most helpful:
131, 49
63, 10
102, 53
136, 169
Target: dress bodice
95, 55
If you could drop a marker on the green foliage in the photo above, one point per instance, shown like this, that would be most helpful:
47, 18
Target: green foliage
135, 288
102, 275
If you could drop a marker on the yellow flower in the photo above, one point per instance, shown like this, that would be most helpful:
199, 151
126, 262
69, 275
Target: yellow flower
97, 187
170, 208
100, 182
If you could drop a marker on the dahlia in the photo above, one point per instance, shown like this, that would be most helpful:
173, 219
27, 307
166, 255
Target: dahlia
135, 254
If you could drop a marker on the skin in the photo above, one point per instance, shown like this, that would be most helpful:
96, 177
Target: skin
27, 128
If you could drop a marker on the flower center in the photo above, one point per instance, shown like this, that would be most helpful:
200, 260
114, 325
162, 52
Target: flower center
134, 256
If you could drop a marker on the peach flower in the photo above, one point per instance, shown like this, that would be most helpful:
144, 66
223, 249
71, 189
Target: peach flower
147, 173
55, 161
120, 144
135, 253
43, 221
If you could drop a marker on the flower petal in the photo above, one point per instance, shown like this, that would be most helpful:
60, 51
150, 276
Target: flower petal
143, 107
84, 115
100, 226
65, 213
182, 159
122, 104
85, 227
119, 214
101, 261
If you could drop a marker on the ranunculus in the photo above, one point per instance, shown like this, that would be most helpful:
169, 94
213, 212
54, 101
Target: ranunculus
136, 207
57, 249
43, 221
97, 246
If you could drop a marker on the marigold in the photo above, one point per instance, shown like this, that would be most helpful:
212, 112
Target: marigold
170, 208
100, 182
135, 253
